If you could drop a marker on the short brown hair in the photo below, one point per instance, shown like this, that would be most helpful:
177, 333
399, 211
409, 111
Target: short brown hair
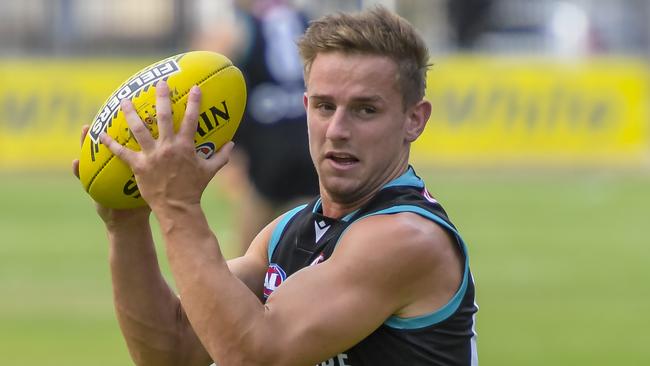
375, 31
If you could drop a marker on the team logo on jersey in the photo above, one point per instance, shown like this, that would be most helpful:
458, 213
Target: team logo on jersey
205, 150
275, 275
427, 196
320, 228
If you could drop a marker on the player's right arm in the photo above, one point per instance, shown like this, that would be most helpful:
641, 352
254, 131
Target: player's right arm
150, 314
148, 311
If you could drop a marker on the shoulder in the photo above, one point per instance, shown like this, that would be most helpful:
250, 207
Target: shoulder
417, 258
409, 234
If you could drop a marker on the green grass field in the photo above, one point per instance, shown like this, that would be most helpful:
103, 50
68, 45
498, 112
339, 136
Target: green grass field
560, 262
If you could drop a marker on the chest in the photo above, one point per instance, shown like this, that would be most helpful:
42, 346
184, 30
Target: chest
307, 241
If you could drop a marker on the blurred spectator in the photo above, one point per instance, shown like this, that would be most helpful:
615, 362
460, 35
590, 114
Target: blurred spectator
271, 170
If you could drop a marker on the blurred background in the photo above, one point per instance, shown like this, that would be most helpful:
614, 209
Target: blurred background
538, 146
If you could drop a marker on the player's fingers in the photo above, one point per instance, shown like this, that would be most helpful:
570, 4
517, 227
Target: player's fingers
191, 117
84, 132
164, 111
82, 137
220, 158
75, 167
137, 127
126, 155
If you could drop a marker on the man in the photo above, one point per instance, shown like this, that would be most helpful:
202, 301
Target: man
370, 273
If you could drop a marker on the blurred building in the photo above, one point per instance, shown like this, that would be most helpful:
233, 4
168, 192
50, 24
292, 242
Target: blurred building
82, 27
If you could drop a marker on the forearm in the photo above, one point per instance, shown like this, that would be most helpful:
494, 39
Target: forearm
224, 312
149, 313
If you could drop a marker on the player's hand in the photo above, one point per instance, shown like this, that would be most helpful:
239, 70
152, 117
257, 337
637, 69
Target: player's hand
114, 218
168, 171
75, 162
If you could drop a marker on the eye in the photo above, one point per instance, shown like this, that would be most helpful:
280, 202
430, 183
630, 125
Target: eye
325, 107
366, 110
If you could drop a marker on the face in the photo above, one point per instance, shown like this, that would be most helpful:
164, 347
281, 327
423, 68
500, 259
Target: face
359, 130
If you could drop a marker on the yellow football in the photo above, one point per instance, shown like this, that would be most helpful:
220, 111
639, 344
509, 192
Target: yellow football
107, 179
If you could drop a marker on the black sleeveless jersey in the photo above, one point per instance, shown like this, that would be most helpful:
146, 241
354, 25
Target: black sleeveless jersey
305, 237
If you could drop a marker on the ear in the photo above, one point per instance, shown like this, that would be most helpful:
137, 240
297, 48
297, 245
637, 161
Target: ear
416, 119
305, 100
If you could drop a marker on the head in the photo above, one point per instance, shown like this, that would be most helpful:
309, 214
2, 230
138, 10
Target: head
376, 32
365, 78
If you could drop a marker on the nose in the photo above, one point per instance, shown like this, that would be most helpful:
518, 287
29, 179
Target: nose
338, 126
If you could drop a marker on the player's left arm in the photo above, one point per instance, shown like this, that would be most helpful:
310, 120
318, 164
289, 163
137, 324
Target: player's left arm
401, 265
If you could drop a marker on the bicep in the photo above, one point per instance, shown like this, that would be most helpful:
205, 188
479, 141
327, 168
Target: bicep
325, 309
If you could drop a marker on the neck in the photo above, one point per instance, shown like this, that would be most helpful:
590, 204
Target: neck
338, 207
337, 210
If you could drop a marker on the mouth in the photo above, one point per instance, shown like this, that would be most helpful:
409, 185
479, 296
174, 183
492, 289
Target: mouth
341, 158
